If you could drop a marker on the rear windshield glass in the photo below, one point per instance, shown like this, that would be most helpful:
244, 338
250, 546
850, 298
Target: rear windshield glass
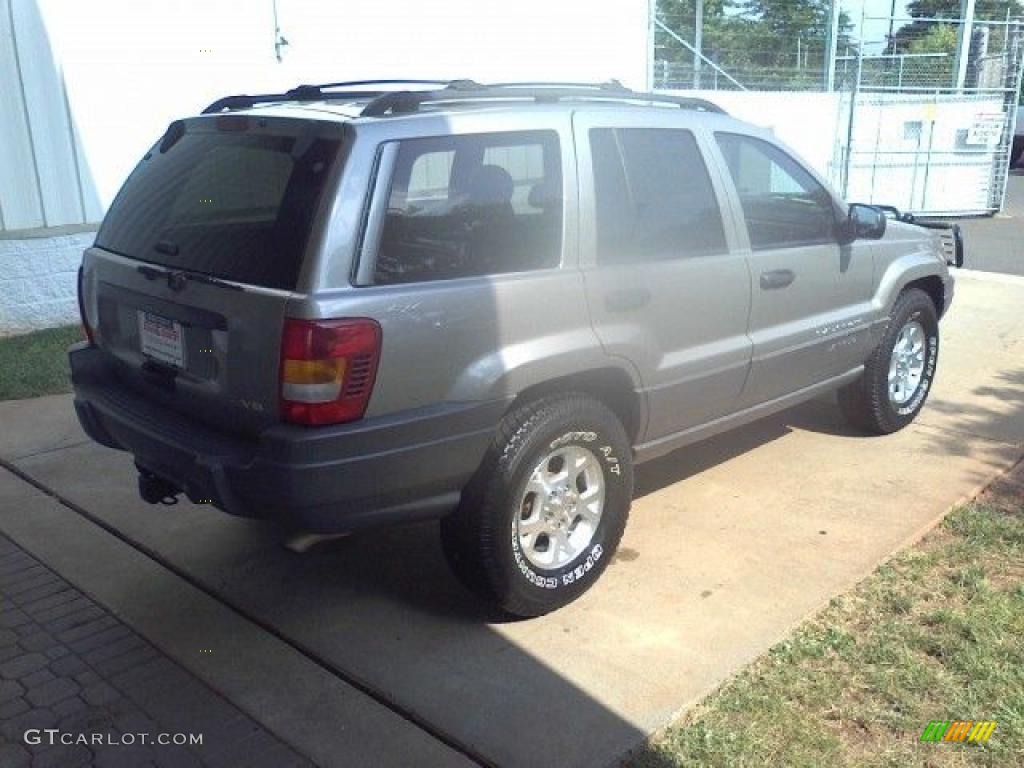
235, 204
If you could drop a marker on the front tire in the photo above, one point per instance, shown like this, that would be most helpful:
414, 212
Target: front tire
899, 374
544, 514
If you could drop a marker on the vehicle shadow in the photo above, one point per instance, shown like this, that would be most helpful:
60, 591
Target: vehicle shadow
406, 563
820, 415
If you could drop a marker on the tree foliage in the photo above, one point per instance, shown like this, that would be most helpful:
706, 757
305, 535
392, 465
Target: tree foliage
784, 43
780, 41
919, 36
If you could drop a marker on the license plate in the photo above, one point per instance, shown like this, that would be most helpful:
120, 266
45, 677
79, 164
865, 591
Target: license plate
162, 339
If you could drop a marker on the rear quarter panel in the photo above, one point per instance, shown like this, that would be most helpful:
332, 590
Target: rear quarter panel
467, 339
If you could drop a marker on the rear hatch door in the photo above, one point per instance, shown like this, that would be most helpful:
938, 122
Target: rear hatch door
192, 270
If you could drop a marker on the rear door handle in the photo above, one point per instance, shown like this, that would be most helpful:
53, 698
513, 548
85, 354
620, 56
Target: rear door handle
777, 278
626, 299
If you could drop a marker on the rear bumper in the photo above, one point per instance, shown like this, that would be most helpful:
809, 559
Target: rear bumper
337, 478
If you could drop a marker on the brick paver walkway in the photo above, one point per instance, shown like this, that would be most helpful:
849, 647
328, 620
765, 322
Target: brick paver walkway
66, 663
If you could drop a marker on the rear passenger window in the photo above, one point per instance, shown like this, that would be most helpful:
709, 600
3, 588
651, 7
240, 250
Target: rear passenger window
430, 175
783, 204
481, 204
654, 196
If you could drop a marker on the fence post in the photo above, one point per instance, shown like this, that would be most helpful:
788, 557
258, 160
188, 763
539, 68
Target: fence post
651, 10
854, 95
698, 40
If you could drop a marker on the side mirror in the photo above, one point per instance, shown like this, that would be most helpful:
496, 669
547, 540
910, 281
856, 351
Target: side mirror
864, 222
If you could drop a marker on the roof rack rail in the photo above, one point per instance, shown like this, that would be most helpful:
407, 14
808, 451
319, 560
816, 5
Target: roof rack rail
317, 93
383, 101
404, 102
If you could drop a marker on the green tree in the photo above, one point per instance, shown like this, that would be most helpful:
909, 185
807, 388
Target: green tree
763, 43
917, 31
940, 38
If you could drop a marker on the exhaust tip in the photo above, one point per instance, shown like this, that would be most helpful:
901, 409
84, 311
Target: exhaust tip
155, 490
301, 542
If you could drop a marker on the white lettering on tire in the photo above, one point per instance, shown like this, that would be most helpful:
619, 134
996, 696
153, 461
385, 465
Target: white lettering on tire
550, 582
926, 380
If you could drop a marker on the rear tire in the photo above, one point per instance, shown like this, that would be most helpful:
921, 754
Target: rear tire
544, 514
895, 383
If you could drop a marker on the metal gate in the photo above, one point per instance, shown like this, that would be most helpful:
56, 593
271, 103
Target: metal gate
927, 133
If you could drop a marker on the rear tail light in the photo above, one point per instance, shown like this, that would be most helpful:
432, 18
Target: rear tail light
81, 308
328, 369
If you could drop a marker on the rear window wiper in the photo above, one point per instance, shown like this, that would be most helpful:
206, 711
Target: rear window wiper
176, 279
201, 278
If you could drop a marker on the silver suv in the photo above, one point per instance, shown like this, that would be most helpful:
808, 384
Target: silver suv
350, 305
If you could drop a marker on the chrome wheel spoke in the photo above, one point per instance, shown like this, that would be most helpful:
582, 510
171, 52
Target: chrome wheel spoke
560, 548
906, 364
560, 508
575, 459
589, 514
530, 527
537, 485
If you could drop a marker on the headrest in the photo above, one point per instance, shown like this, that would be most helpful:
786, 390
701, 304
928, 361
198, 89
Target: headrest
543, 195
491, 185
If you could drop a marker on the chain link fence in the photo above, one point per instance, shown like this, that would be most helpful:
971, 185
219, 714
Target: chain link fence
929, 117
737, 51
926, 54
927, 104
741, 50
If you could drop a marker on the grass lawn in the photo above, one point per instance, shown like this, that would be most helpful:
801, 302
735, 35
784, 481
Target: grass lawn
937, 633
36, 363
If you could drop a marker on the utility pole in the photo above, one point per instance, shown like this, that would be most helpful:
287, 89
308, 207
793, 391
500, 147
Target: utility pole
279, 40
652, 9
832, 49
963, 53
698, 39
892, 18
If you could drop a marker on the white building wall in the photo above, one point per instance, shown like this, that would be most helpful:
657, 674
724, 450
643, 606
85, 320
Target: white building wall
86, 87
133, 66
40, 183
38, 281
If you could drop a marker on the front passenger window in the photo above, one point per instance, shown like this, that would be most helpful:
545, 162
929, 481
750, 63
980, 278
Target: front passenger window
783, 204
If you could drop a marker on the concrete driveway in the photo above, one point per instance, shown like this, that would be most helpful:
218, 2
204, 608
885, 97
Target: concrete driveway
730, 543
